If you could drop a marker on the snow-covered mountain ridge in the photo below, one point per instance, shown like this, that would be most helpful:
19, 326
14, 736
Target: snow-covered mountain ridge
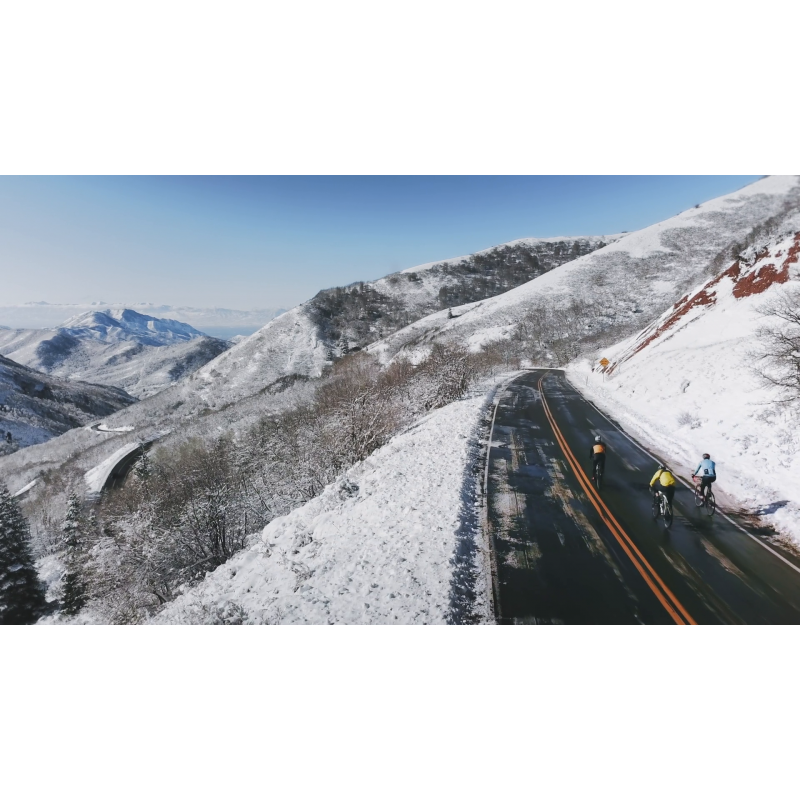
306, 338
222, 323
607, 294
130, 325
115, 347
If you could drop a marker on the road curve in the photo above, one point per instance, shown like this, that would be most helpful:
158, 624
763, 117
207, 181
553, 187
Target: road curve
564, 553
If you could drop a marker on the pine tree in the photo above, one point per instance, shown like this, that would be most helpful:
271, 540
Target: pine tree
143, 468
22, 599
73, 595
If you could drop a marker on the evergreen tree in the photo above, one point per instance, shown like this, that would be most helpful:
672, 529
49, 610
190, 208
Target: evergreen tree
74, 591
143, 469
22, 599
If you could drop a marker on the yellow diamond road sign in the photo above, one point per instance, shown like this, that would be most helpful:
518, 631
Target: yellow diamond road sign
604, 362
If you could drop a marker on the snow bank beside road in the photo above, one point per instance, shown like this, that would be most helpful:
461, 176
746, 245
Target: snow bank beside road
381, 545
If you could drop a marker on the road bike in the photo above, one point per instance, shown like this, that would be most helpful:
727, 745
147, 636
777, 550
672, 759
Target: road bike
662, 508
707, 500
597, 474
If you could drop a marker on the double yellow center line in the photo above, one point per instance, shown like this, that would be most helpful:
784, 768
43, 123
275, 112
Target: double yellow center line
667, 599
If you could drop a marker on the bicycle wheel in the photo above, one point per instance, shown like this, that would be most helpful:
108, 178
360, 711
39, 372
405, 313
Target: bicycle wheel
667, 515
598, 482
698, 496
711, 504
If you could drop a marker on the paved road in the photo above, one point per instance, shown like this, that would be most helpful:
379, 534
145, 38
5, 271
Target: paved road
564, 553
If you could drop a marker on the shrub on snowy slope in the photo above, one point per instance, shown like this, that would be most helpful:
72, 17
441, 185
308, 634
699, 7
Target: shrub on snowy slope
778, 357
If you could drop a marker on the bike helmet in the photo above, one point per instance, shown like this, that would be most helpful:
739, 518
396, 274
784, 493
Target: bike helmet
598, 439
706, 455
662, 466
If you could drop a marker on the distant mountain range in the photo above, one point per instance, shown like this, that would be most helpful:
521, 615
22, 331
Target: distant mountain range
221, 323
116, 347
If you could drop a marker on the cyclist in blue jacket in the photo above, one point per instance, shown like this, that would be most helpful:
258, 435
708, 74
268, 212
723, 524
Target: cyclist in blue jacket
707, 470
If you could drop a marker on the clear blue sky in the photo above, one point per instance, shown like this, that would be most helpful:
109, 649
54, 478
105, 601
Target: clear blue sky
261, 242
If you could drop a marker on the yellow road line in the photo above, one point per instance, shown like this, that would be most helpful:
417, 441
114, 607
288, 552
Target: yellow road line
667, 599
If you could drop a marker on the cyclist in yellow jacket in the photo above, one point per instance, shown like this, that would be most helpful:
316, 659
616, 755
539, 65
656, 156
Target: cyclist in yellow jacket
666, 482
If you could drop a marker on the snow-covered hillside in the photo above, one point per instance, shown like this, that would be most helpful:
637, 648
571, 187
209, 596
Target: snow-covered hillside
35, 407
687, 383
303, 340
616, 289
136, 352
394, 541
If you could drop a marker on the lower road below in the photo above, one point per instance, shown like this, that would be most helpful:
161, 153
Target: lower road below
565, 553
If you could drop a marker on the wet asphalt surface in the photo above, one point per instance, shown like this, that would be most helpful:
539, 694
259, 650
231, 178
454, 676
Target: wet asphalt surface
564, 557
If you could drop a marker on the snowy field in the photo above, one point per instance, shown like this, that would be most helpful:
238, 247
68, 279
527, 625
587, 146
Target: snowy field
686, 385
395, 541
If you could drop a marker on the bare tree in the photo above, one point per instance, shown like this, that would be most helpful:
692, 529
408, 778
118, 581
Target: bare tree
778, 354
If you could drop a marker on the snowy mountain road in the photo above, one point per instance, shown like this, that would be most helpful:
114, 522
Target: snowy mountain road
565, 553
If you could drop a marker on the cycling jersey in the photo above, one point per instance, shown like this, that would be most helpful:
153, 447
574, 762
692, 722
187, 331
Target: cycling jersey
706, 467
598, 448
664, 477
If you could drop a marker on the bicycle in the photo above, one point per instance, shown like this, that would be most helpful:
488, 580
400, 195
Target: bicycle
707, 499
662, 508
597, 474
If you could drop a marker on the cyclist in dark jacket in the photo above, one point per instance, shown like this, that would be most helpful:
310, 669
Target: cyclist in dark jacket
597, 454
